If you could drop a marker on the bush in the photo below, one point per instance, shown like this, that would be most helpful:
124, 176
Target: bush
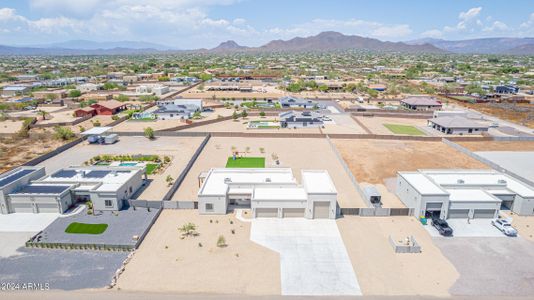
63, 133
149, 133
221, 241
262, 113
75, 93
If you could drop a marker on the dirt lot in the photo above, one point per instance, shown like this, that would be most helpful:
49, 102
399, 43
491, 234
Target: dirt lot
525, 226
297, 154
504, 111
381, 271
167, 263
15, 151
376, 124
10, 126
373, 161
498, 146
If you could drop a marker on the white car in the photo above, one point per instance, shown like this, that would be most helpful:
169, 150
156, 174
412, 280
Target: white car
504, 226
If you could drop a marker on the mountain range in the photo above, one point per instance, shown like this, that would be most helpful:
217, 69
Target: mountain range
501, 45
325, 41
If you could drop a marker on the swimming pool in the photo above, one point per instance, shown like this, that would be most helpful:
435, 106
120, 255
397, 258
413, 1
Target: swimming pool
132, 164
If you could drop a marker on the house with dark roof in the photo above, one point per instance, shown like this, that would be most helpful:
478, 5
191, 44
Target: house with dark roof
289, 101
109, 107
300, 119
176, 111
421, 103
457, 125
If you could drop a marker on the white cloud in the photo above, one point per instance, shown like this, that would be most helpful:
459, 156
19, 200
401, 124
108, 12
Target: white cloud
470, 14
351, 26
497, 26
433, 33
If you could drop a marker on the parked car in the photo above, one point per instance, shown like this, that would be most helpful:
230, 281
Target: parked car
504, 226
442, 226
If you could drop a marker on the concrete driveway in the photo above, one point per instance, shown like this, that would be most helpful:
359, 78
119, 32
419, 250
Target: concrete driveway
475, 228
26, 222
313, 258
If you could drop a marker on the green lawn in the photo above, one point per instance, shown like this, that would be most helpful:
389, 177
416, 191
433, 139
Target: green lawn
150, 168
83, 228
246, 162
403, 129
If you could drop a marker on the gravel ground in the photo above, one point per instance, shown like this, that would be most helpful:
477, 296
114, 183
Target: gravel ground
490, 266
63, 270
120, 229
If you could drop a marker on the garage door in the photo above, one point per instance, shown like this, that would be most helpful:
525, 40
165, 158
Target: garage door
266, 212
294, 212
22, 207
484, 214
458, 213
321, 210
47, 208
434, 206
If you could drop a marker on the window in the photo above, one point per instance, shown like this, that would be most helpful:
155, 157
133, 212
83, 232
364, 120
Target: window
209, 206
108, 203
131, 190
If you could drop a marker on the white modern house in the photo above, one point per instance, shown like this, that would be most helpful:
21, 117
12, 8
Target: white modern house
28, 190
155, 89
88, 87
463, 193
269, 192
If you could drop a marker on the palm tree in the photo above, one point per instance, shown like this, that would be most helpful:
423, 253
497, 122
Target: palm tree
43, 114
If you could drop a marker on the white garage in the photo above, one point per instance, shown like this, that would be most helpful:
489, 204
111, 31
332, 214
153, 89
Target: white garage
321, 210
263, 212
458, 213
294, 212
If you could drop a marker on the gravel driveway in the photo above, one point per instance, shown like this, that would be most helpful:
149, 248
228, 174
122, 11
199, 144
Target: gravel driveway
491, 266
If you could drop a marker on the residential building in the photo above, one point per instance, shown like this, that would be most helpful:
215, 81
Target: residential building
109, 107
88, 87
463, 193
28, 190
299, 119
84, 112
269, 192
289, 101
506, 89
155, 89
457, 125
176, 111
15, 90
421, 103
181, 101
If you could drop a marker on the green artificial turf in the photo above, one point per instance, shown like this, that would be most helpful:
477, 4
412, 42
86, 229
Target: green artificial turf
83, 228
150, 168
403, 129
246, 162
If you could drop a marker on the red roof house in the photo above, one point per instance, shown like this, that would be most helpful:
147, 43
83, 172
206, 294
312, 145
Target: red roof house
110, 107
85, 111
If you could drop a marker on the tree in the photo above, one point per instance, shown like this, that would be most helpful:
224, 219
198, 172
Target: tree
75, 93
63, 133
24, 131
244, 114
123, 98
323, 88
235, 116
262, 113
149, 133
43, 113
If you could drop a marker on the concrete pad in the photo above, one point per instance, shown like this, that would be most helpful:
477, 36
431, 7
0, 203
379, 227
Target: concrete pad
26, 222
475, 228
313, 258
333, 109
11, 241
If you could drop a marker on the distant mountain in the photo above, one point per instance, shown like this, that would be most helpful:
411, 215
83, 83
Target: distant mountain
482, 46
522, 50
92, 45
229, 46
328, 41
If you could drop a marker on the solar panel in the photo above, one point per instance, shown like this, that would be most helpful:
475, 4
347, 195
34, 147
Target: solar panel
15, 176
64, 174
43, 189
97, 174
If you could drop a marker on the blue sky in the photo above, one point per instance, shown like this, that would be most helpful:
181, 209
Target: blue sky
188, 24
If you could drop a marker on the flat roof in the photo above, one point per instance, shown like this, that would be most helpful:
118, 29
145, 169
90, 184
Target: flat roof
13, 176
109, 178
318, 182
285, 193
471, 195
42, 189
422, 183
96, 130
217, 180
